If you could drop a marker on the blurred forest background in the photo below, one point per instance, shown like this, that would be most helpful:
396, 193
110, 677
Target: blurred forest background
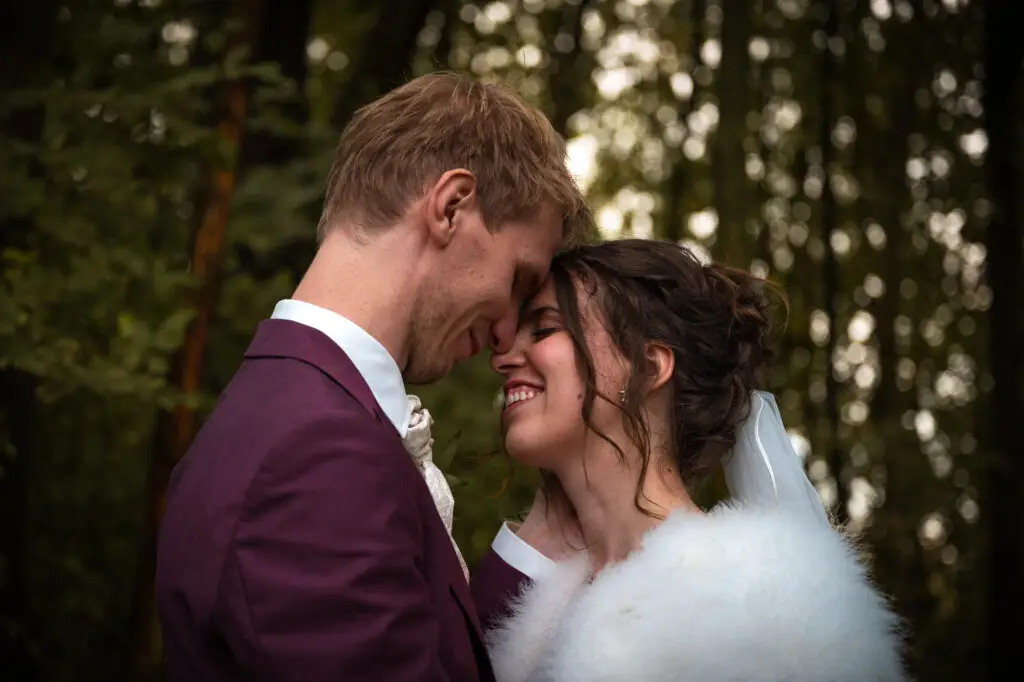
162, 164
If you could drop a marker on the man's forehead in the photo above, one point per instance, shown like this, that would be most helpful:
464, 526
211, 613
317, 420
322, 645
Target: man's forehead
548, 226
537, 245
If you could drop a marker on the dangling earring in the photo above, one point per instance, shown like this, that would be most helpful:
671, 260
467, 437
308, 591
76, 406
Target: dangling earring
622, 397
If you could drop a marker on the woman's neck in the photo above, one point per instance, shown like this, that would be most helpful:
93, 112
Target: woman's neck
604, 497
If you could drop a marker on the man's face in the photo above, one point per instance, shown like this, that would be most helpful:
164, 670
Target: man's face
472, 299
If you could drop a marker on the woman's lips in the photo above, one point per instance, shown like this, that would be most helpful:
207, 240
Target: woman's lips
520, 395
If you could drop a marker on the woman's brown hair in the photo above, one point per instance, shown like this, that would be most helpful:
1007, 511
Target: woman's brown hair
715, 319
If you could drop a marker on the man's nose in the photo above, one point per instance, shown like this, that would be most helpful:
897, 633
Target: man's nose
503, 332
504, 362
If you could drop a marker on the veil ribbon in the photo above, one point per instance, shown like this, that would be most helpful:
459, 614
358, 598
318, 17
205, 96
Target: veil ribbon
764, 468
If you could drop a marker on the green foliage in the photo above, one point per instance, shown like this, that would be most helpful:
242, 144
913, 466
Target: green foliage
102, 181
98, 204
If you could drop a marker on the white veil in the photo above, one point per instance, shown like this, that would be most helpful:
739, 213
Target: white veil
763, 467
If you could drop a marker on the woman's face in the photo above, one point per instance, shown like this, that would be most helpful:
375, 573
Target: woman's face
542, 417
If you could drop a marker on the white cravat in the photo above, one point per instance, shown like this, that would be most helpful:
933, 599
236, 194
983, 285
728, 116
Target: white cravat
419, 443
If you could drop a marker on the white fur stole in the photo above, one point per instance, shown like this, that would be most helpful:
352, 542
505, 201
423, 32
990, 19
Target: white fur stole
738, 595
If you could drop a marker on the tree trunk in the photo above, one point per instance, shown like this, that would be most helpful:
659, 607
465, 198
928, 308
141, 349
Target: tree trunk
441, 56
676, 183
762, 243
282, 40
28, 31
1003, 54
830, 266
383, 62
570, 81
175, 429
285, 32
733, 193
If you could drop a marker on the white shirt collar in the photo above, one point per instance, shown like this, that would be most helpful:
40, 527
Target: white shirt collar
520, 554
372, 360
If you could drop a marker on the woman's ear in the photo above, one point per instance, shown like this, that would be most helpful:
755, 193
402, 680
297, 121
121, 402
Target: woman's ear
662, 362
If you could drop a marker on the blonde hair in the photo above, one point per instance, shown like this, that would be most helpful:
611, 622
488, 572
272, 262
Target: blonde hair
395, 147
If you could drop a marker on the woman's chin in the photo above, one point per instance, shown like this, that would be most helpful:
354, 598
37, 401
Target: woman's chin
526, 448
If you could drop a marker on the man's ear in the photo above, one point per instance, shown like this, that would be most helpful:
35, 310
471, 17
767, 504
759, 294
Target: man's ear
453, 194
662, 362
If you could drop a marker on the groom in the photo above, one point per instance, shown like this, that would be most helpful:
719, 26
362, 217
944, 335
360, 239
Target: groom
300, 540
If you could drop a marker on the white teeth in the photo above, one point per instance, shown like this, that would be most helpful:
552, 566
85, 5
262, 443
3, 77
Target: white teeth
519, 396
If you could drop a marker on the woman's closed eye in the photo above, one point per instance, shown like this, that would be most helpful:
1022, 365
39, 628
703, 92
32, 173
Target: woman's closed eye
540, 322
542, 333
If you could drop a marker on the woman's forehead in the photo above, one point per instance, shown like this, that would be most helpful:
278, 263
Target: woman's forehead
544, 298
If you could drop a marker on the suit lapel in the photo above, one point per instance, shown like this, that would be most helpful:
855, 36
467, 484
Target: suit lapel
287, 339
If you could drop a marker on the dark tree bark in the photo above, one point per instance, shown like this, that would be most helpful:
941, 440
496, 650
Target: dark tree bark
733, 192
676, 183
176, 429
19, 412
830, 281
282, 40
442, 53
882, 149
383, 62
1003, 56
762, 248
899, 554
27, 32
569, 80
283, 37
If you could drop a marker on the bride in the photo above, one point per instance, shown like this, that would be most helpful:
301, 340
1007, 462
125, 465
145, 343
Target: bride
632, 377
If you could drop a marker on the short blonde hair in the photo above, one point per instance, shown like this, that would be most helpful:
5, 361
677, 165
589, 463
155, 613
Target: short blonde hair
394, 148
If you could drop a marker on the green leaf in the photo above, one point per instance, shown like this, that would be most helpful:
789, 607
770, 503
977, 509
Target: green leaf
171, 333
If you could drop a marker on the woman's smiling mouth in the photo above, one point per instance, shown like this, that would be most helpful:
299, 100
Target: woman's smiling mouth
518, 392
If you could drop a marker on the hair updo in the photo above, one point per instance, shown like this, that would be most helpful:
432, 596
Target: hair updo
716, 320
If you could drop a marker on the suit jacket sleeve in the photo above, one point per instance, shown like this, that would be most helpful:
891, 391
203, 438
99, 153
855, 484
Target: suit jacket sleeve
494, 584
324, 580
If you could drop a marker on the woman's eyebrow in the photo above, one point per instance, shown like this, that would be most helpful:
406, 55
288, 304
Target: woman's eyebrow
534, 315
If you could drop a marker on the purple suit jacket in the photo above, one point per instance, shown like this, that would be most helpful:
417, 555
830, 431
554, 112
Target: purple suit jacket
300, 541
494, 585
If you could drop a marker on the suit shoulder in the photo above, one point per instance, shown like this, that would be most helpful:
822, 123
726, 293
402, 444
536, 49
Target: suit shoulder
288, 385
282, 427
274, 403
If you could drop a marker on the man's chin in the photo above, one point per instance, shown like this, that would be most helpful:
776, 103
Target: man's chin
455, 362
429, 373
424, 375
463, 352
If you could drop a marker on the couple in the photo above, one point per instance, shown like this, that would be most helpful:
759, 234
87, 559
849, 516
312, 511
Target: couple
307, 535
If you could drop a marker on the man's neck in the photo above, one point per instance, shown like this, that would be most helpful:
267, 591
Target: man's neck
369, 284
